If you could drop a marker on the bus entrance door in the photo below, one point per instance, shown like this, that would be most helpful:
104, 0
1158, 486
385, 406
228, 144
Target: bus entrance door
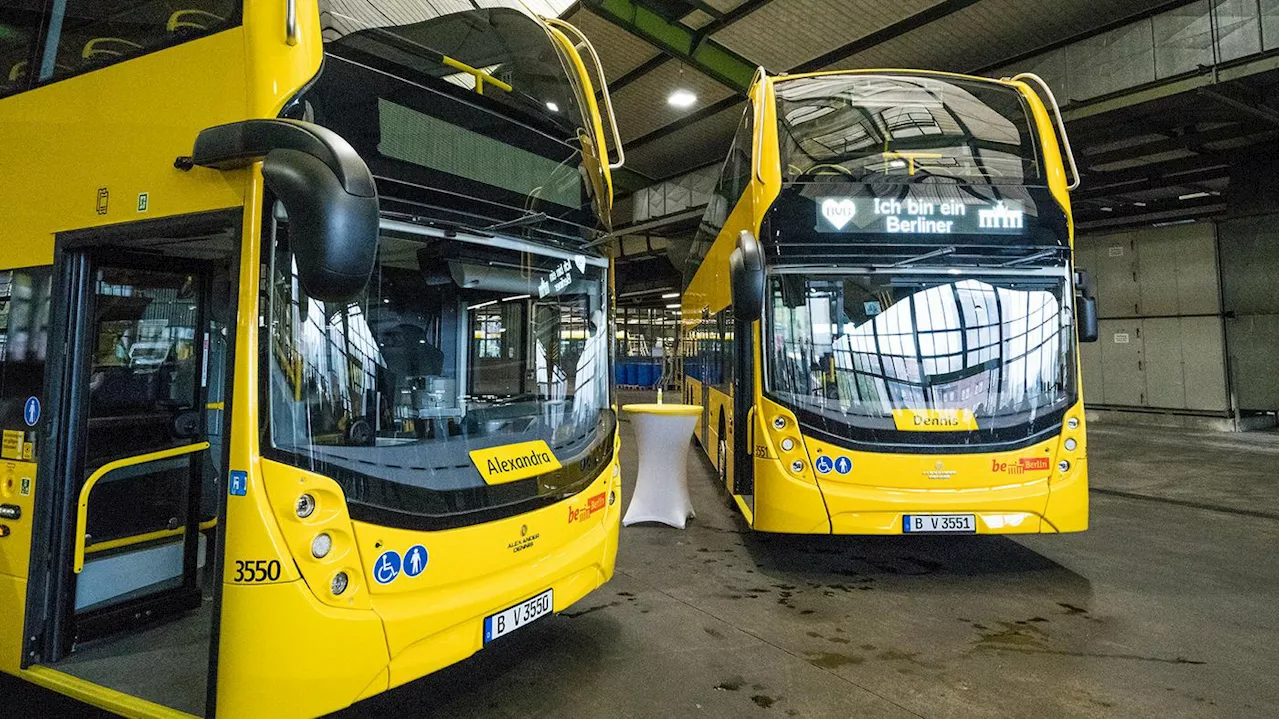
143, 373
144, 451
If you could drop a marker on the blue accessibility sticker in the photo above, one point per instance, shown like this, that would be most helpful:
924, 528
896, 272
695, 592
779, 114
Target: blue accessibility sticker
823, 464
415, 560
31, 411
238, 484
843, 465
387, 568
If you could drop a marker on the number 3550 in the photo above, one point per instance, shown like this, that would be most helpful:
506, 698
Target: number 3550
258, 570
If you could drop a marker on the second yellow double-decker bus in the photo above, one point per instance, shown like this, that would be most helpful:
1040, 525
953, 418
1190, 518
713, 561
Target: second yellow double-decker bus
881, 314
304, 347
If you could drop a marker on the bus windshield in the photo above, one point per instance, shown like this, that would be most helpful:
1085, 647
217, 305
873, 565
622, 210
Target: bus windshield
847, 350
455, 346
905, 128
502, 119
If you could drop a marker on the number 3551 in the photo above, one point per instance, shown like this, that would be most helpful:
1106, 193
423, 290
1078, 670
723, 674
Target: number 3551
257, 570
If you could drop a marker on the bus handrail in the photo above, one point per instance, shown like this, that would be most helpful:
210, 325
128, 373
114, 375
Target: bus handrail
759, 148
1062, 127
604, 86
290, 25
82, 508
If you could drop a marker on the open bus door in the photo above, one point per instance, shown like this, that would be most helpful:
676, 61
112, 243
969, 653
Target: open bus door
128, 479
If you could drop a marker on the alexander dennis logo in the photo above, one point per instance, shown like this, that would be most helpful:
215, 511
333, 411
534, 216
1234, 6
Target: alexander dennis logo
1021, 465
838, 212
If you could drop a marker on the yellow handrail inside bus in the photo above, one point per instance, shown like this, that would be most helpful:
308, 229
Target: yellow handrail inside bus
480, 75
82, 510
141, 538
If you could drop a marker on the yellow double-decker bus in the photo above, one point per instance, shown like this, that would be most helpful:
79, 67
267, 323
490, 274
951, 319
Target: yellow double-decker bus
304, 353
880, 311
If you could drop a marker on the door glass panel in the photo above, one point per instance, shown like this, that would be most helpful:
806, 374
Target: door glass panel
147, 368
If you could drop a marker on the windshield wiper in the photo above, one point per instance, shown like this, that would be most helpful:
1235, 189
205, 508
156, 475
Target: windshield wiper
926, 256
1031, 257
528, 219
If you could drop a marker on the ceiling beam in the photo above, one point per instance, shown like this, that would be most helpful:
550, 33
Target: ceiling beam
866, 42
1121, 181
677, 41
1192, 141
937, 12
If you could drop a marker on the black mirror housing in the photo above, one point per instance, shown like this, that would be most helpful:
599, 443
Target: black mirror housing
326, 189
1086, 318
746, 278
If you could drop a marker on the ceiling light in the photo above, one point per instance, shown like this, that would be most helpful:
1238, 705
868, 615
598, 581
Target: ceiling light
553, 107
670, 295
1105, 209
673, 307
517, 297
1193, 195
1139, 204
897, 164
682, 99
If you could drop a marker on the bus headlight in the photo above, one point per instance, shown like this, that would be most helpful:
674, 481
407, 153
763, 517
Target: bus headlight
321, 545
779, 422
306, 506
797, 466
339, 583
1063, 466
1073, 423
788, 444
1069, 445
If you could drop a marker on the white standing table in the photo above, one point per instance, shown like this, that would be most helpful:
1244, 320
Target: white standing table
662, 487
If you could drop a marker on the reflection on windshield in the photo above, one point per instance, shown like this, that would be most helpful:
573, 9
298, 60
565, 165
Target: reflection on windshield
905, 128
454, 347
470, 109
856, 348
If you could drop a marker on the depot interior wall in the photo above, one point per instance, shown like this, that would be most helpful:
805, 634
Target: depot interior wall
1188, 317
1161, 343
1250, 275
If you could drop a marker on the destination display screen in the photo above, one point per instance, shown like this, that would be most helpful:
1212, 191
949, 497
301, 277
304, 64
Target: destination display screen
920, 216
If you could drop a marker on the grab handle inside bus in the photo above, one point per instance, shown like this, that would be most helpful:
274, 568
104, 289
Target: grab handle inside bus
327, 191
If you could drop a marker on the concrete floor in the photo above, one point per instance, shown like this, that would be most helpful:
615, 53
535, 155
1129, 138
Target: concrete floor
1161, 609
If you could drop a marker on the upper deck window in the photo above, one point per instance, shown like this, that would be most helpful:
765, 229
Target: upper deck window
18, 26
84, 35
906, 128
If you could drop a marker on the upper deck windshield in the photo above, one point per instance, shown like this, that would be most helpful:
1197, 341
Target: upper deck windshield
848, 350
905, 128
454, 346
467, 113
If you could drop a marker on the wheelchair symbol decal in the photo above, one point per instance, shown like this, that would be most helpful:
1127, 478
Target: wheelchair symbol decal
823, 464
387, 568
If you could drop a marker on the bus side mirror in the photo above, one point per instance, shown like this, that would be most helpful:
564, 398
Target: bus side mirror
1086, 308
326, 189
1086, 318
746, 278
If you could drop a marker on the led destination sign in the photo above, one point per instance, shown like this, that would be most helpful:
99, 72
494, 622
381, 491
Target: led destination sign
914, 216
